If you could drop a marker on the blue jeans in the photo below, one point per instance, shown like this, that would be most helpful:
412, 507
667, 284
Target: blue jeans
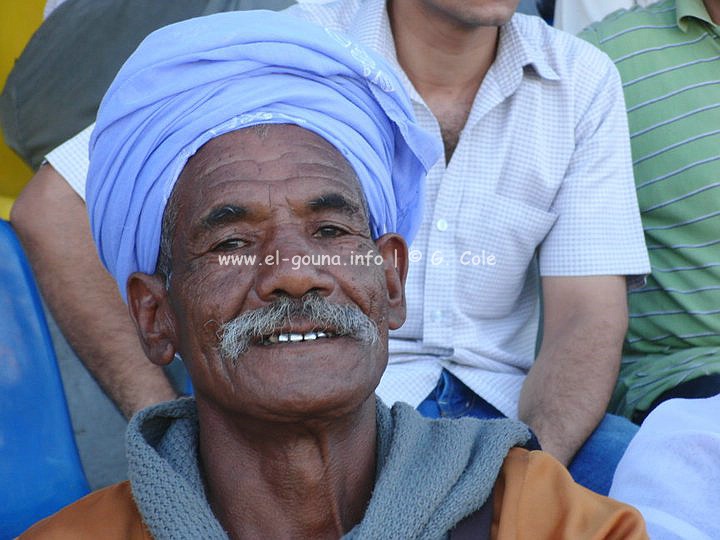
594, 464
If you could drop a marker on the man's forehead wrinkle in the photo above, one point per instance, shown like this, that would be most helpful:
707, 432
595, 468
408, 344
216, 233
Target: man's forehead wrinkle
325, 168
228, 167
222, 178
330, 157
212, 160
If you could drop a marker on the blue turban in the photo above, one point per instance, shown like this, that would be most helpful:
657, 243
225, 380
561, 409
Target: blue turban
195, 80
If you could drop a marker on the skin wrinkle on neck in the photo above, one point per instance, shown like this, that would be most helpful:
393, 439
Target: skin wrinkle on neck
296, 470
713, 9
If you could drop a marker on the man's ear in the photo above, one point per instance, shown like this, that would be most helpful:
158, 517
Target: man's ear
154, 321
394, 251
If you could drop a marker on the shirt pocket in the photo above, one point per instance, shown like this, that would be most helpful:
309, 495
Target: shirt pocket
495, 250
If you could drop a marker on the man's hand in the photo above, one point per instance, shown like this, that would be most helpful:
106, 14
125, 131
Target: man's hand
568, 388
51, 221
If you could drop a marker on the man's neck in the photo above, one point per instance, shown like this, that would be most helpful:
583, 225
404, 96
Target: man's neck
288, 480
445, 61
713, 9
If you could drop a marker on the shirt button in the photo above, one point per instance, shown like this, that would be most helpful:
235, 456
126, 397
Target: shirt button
437, 316
442, 225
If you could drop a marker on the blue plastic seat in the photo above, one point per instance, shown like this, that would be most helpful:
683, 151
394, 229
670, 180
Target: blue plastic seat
40, 469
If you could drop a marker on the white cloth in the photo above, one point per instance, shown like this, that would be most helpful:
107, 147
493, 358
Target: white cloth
671, 470
574, 15
542, 166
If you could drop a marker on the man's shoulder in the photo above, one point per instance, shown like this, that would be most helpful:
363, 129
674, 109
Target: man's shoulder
535, 496
621, 24
109, 513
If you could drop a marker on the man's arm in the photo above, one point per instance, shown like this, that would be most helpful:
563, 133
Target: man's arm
595, 242
52, 224
567, 390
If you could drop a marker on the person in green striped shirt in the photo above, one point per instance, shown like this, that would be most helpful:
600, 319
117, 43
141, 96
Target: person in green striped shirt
668, 55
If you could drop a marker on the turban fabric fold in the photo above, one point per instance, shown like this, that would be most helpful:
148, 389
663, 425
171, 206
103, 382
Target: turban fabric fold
195, 80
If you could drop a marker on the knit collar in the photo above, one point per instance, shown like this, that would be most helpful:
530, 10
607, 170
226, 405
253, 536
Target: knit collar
430, 473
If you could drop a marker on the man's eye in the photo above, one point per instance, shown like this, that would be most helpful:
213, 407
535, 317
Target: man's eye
329, 231
229, 244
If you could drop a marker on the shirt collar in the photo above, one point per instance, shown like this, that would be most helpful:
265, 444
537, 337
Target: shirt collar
371, 27
689, 9
516, 51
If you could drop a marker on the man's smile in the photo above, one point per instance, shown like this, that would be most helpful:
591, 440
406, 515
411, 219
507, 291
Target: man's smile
295, 337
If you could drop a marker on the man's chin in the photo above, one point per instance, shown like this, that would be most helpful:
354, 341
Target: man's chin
308, 406
470, 17
323, 408
302, 377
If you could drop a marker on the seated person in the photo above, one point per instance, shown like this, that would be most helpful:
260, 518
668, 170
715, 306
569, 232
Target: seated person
283, 143
536, 177
672, 347
671, 471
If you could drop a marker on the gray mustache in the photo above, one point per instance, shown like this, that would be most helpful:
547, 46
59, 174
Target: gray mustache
343, 319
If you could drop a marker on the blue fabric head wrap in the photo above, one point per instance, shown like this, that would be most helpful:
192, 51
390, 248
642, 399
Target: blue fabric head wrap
195, 80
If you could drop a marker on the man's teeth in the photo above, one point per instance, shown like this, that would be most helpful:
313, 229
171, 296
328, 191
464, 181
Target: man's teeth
295, 337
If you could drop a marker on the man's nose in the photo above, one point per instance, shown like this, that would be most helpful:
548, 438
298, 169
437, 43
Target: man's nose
290, 267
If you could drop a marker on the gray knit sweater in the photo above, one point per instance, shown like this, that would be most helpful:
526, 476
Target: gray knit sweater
430, 473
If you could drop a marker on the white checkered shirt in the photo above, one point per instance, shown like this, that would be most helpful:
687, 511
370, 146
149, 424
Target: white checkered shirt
540, 180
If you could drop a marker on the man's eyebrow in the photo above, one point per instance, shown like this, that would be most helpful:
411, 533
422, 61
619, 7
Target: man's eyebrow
333, 201
222, 215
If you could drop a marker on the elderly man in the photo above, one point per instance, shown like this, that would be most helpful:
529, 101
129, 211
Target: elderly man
300, 144
535, 189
